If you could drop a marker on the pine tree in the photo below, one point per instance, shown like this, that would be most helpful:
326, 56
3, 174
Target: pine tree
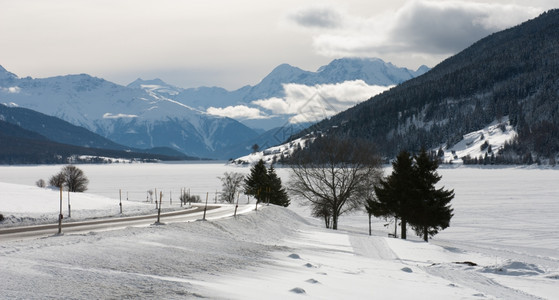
257, 181
395, 193
430, 206
276, 192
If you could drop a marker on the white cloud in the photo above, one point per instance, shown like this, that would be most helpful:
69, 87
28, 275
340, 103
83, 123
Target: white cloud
11, 90
419, 27
118, 116
237, 112
313, 103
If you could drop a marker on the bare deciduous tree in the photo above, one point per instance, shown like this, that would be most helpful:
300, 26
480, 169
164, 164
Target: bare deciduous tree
334, 175
76, 181
231, 185
72, 177
57, 180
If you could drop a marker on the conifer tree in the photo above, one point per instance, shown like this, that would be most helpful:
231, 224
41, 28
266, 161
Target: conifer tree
409, 193
431, 209
276, 192
257, 181
395, 193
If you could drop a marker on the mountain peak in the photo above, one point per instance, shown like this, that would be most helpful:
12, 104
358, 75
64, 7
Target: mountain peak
5, 74
155, 85
284, 70
139, 82
374, 71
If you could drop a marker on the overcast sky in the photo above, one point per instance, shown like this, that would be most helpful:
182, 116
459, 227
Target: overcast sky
231, 43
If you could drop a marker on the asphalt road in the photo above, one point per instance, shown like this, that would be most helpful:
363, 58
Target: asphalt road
37, 231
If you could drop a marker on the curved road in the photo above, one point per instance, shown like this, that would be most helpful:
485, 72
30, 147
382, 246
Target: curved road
36, 231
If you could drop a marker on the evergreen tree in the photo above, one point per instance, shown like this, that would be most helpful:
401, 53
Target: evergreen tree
430, 206
395, 193
257, 181
276, 192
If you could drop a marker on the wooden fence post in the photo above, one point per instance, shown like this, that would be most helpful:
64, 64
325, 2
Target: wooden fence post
60, 215
206, 206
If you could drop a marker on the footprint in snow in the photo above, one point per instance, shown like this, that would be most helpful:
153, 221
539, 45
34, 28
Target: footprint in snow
298, 290
312, 280
407, 270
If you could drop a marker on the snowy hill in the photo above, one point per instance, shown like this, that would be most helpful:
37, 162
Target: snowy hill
482, 143
273, 154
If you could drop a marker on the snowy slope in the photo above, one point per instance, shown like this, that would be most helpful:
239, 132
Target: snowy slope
476, 144
273, 154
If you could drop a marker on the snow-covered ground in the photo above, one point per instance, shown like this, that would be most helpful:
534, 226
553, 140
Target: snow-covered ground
504, 223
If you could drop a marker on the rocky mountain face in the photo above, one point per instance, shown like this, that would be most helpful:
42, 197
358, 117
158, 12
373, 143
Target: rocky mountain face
511, 73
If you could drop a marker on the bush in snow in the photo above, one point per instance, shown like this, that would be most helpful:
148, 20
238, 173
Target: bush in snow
41, 183
185, 197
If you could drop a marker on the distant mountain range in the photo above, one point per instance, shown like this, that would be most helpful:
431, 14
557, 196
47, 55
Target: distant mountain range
30, 137
148, 114
372, 71
512, 73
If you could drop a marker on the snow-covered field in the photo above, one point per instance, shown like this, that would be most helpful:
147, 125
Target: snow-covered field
504, 223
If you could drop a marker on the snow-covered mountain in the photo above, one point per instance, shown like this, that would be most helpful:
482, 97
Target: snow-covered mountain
372, 71
134, 117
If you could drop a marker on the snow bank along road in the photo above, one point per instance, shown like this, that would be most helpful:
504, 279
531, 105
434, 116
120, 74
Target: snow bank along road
190, 214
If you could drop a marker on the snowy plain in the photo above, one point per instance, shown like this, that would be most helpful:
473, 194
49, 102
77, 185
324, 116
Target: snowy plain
503, 242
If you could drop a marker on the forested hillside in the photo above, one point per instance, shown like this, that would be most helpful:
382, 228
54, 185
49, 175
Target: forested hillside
512, 73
